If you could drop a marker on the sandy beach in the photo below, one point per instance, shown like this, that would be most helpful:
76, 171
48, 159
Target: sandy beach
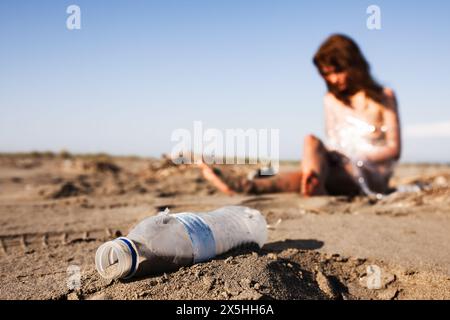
56, 210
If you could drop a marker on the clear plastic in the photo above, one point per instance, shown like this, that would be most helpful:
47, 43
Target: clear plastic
168, 241
354, 138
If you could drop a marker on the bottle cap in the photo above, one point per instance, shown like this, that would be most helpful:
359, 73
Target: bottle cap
117, 259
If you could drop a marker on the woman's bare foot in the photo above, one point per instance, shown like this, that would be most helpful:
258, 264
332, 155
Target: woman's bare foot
212, 177
311, 185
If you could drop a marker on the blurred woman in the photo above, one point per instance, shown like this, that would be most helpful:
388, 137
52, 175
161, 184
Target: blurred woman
362, 134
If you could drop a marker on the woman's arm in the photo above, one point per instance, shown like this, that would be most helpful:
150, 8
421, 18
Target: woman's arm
392, 149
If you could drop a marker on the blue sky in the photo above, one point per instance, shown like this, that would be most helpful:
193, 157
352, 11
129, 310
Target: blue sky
137, 70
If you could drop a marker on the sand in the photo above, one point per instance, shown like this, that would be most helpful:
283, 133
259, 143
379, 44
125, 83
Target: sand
56, 210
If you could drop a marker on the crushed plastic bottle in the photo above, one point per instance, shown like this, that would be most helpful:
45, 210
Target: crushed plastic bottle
168, 241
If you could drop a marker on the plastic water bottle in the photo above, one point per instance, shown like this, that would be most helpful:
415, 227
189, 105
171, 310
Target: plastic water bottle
168, 241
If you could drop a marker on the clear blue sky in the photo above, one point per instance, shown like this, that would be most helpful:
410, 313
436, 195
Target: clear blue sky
137, 70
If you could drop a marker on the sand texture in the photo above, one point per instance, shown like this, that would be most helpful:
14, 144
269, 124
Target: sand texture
56, 210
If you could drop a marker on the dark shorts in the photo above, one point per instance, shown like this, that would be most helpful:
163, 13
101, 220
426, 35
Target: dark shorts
339, 180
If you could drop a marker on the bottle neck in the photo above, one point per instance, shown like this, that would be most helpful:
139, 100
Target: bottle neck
116, 259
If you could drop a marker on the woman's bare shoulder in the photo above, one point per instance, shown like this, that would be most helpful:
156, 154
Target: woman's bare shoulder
391, 100
389, 92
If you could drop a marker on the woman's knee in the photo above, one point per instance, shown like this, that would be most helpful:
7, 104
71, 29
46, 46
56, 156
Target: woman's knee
312, 142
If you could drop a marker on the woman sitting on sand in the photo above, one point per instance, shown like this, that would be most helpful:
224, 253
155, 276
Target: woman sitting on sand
362, 129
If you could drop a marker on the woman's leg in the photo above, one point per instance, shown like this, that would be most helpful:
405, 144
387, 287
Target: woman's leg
314, 167
309, 181
282, 182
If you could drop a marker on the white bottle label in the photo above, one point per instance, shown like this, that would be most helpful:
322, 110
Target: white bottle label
202, 238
